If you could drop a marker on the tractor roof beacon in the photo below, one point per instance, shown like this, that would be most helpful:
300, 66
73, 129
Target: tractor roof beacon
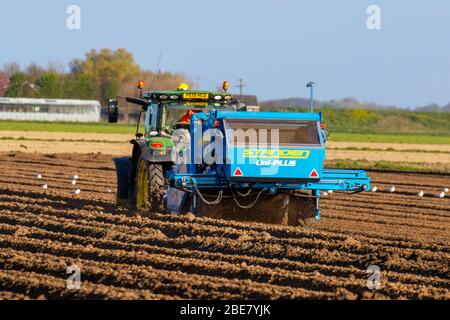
201, 152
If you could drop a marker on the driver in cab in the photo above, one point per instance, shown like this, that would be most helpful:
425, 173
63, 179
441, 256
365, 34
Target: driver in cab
185, 120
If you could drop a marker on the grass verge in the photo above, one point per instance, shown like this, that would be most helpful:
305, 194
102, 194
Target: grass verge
59, 140
66, 127
389, 150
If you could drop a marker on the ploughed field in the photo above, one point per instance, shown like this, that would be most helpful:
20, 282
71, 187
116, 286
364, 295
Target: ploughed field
125, 255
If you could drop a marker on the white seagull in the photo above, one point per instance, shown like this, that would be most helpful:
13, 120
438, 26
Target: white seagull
420, 194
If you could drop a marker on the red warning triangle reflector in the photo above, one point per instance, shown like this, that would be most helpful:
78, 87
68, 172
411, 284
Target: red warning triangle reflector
238, 172
314, 174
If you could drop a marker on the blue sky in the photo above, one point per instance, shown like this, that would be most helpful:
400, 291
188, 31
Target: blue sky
276, 46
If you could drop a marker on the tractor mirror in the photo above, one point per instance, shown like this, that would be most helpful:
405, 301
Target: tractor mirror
113, 111
139, 102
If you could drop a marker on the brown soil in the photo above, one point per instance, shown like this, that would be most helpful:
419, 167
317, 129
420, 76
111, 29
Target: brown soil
123, 255
116, 144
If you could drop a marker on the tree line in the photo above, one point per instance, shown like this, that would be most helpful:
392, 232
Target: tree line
346, 103
100, 75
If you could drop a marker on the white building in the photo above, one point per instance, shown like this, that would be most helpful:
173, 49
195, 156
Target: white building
49, 110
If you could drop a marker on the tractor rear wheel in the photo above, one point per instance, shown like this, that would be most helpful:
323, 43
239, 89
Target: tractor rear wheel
158, 185
141, 185
150, 186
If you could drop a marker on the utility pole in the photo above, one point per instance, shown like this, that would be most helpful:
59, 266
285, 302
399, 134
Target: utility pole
241, 87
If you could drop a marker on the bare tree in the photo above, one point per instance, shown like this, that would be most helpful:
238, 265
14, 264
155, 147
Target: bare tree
55, 67
34, 71
11, 68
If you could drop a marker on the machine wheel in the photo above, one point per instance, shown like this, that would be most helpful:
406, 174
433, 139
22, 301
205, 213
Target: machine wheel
157, 187
141, 185
150, 186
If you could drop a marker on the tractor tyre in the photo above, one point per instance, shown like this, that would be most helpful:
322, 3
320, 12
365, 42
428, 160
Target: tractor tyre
158, 186
140, 194
150, 186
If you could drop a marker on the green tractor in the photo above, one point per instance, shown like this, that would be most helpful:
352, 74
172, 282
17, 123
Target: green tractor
142, 179
248, 166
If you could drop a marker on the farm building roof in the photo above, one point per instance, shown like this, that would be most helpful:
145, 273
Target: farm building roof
250, 100
59, 102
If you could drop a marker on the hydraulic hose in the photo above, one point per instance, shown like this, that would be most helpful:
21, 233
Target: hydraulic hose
217, 201
252, 204
243, 195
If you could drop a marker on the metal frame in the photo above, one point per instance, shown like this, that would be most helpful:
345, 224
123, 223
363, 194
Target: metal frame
217, 177
330, 179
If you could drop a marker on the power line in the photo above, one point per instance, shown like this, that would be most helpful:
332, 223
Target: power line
155, 74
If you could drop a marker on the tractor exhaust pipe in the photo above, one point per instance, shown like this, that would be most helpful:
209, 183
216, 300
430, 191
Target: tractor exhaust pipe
310, 85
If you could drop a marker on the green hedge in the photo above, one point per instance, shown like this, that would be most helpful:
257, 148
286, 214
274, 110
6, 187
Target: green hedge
382, 121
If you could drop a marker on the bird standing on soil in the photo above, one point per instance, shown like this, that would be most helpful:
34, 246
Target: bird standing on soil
420, 194
78, 191
441, 195
392, 189
73, 182
374, 189
446, 190
39, 176
45, 186
325, 194
75, 177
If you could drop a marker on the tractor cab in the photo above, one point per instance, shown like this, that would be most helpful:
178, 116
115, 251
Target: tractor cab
167, 110
170, 110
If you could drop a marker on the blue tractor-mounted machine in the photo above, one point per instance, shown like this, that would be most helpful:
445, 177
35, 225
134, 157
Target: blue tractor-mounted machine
202, 152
